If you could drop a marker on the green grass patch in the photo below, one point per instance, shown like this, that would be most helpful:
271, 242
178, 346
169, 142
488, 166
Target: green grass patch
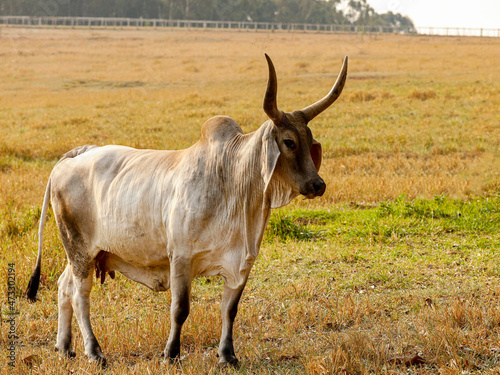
285, 226
388, 221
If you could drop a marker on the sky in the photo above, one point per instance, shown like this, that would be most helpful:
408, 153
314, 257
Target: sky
444, 13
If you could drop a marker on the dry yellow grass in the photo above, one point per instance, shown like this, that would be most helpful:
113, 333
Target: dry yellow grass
419, 116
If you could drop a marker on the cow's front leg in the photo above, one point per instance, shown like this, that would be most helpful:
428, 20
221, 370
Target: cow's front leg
230, 300
180, 286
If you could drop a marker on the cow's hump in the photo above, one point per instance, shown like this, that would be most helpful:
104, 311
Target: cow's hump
219, 129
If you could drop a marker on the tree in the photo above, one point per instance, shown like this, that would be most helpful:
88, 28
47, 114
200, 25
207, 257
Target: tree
358, 12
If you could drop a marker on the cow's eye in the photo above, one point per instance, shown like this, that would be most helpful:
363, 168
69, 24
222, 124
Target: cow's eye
290, 144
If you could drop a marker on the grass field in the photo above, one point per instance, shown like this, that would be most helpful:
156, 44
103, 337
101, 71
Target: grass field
394, 270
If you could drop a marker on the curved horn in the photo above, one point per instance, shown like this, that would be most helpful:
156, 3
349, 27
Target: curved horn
315, 109
270, 106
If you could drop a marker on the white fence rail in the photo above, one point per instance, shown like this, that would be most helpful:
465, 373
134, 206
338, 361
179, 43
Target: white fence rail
121, 23
459, 31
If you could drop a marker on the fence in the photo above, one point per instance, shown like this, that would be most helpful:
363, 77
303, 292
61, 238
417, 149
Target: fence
459, 31
121, 23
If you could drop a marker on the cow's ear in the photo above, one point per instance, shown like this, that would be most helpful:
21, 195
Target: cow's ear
270, 155
316, 154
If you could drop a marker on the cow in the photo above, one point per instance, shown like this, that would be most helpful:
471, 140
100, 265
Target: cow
157, 216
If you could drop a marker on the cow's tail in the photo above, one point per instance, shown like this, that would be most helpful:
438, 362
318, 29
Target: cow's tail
34, 282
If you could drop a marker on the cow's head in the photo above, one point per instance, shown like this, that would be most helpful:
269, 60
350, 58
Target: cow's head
296, 157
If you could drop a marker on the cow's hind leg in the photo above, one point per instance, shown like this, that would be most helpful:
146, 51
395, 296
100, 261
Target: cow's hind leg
229, 309
80, 271
65, 293
81, 306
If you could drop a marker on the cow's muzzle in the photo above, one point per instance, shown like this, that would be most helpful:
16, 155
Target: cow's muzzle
314, 188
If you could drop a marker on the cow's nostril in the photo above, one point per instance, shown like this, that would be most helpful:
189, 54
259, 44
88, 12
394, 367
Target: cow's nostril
319, 187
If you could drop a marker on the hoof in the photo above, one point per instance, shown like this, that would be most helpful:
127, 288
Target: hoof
66, 353
99, 359
173, 355
231, 361
175, 360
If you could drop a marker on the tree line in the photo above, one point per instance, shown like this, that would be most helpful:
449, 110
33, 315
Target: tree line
341, 12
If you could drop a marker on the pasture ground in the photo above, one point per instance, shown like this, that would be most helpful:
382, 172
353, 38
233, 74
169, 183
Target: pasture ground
395, 270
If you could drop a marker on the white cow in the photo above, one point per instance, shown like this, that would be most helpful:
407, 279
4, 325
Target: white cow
163, 217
